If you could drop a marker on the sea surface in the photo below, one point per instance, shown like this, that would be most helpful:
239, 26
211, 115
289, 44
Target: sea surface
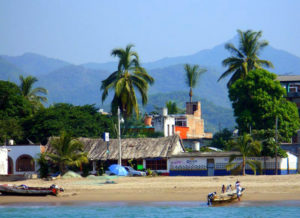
152, 209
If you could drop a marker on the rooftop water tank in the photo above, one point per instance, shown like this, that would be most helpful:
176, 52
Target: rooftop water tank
196, 146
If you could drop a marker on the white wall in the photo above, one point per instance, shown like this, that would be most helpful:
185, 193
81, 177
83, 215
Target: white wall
186, 163
171, 122
161, 123
3, 161
18, 150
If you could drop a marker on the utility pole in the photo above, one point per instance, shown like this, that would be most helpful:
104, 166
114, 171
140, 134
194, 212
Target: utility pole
119, 138
276, 140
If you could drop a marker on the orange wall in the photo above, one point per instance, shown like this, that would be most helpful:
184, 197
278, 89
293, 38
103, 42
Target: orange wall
182, 131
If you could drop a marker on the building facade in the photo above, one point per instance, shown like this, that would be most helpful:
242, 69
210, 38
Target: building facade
214, 164
21, 159
189, 126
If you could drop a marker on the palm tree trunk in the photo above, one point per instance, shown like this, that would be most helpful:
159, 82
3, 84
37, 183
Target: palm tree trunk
61, 168
244, 166
191, 94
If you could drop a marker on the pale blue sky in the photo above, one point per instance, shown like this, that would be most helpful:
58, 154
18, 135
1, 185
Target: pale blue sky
84, 31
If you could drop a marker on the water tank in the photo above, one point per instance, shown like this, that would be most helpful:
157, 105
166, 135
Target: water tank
196, 146
165, 111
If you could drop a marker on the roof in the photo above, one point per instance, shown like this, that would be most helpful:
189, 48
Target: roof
295, 78
206, 154
133, 148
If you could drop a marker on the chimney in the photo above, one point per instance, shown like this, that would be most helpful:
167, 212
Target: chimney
165, 111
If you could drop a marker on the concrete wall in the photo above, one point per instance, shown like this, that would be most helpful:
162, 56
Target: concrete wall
3, 161
18, 150
197, 166
161, 124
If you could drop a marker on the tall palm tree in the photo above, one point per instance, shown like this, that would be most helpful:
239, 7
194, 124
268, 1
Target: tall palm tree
67, 152
248, 148
245, 57
128, 78
192, 76
32, 94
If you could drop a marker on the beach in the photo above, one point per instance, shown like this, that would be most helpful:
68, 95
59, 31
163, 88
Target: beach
162, 188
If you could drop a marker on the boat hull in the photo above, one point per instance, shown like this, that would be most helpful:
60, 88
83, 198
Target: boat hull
227, 197
29, 191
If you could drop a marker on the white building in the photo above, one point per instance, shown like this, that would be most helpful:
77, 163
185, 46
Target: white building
214, 164
22, 159
164, 123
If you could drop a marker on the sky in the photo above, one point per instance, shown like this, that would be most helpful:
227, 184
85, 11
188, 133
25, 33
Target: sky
86, 31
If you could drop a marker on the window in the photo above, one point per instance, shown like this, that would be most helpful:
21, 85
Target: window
195, 107
173, 129
180, 122
25, 163
156, 164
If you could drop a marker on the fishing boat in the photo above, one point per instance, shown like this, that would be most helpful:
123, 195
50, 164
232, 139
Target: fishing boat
23, 190
226, 197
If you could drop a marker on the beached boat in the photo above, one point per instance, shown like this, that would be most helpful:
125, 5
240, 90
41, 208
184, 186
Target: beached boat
24, 190
227, 197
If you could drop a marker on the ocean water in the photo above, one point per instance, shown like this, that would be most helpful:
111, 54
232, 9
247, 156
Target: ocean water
153, 209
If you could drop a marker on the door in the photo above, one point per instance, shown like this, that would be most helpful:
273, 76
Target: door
10, 166
210, 167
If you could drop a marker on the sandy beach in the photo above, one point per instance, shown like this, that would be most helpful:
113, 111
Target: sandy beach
143, 189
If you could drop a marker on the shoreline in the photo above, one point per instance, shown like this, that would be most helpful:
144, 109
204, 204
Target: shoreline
159, 189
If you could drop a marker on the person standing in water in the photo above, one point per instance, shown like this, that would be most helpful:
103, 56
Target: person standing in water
238, 189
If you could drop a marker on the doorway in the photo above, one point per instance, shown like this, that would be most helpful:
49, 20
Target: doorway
10, 166
210, 167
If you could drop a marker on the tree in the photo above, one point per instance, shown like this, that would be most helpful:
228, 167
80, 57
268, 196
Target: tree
32, 94
10, 128
172, 107
245, 57
128, 78
192, 76
269, 145
79, 121
67, 152
220, 139
247, 148
12, 103
258, 99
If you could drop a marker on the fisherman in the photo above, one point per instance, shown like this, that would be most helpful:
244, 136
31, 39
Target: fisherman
238, 189
229, 188
223, 188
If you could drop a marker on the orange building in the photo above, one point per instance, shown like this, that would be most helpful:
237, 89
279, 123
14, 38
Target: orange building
191, 125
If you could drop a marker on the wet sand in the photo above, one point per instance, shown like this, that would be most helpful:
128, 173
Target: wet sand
159, 189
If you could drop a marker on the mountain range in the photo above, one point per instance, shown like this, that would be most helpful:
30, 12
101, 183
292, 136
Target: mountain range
80, 84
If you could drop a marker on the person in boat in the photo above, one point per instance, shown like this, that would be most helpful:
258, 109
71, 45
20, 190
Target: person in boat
238, 189
223, 188
229, 188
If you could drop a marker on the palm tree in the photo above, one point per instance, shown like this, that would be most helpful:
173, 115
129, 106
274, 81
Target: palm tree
247, 148
67, 152
245, 57
192, 76
26, 88
128, 78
